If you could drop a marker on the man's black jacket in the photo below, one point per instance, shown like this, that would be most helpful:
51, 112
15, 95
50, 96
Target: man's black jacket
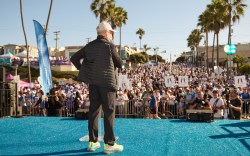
100, 58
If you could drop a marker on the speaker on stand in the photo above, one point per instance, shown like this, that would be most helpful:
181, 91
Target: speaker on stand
16, 112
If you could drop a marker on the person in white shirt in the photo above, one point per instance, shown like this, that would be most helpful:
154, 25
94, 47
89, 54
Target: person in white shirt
120, 98
157, 95
137, 99
171, 102
217, 105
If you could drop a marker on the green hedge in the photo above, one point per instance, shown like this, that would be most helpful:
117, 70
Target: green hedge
65, 74
245, 69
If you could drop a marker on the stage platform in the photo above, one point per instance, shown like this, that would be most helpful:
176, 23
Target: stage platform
31, 136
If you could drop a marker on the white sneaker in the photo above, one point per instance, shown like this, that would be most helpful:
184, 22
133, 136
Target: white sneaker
108, 149
93, 146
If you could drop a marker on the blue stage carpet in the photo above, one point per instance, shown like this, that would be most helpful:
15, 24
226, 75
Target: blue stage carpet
60, 136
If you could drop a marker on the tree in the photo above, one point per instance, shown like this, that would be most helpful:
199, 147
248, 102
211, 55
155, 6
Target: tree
156, 49
193, 42
26, 42
238, 60
140, 32
245, 69
117, 16
145, 49
100, 8
106, 10
181, 59
25, 37
206, 26
234, 9
138, 58
218, 19
48, 18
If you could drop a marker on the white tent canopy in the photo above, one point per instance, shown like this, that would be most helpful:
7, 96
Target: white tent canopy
7, 55
23, 54
150, 63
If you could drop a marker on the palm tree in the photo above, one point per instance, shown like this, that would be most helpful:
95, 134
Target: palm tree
156, 49
107, 10
26, 43
140, 32
237, 8
117, 16
193, 42
234, 9
206, 25
47, 23
218, 19
145, 49
101, 7
190, 44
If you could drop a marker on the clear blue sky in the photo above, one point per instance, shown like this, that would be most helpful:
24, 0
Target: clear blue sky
167, 23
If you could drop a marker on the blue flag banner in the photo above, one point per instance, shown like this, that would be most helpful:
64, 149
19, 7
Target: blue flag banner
44, 62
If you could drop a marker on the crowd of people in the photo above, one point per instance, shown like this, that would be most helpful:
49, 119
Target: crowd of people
147, 88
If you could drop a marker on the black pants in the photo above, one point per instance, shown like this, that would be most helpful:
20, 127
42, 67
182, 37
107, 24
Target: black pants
101, 96
245, 107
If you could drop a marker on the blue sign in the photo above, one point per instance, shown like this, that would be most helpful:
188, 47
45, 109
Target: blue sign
230, 49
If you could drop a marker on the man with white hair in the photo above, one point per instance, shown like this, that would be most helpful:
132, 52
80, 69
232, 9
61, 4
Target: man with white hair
100, 59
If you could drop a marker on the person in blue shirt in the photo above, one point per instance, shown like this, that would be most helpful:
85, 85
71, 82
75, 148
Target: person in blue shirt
245, 96
153, 105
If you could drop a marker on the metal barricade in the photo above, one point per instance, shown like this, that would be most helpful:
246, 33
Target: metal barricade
70, 108
128, 109
168, 109
245, 109
28, 109
140, 108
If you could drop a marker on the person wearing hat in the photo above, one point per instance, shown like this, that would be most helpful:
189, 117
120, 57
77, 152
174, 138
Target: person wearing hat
98, 69
217, 105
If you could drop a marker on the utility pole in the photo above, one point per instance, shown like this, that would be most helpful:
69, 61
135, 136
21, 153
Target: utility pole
229, 57
56, 38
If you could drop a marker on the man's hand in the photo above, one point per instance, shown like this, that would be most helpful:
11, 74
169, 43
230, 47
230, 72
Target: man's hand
56, 98
230, 106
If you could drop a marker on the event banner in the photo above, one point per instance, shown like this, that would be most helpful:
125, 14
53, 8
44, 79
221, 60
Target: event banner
183, 81
44, 62
169, 81
240, 81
